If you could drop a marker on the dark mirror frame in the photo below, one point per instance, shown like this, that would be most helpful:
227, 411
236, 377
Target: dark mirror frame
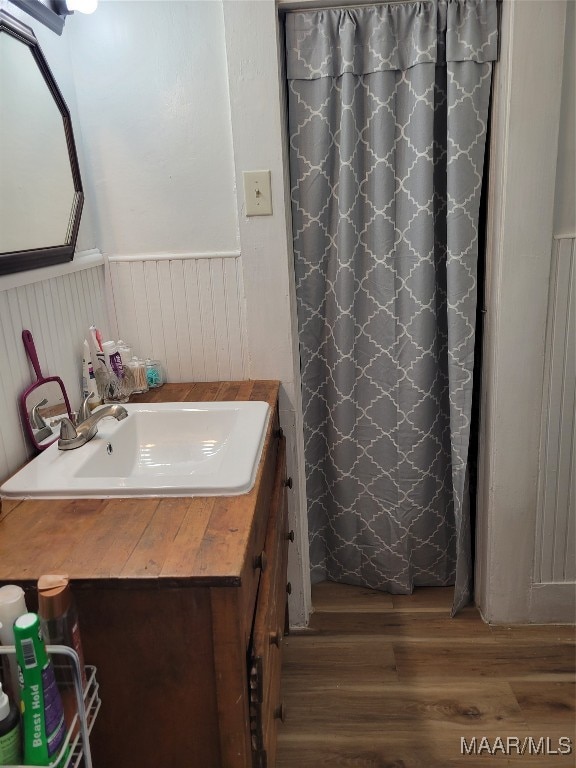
18, 261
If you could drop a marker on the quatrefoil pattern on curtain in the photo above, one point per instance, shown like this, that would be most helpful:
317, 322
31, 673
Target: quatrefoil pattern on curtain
388, 110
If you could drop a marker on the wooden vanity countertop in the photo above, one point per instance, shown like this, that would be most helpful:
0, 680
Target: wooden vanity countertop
200, 540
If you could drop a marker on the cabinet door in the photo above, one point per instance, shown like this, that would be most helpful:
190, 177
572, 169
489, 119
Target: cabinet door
266, 652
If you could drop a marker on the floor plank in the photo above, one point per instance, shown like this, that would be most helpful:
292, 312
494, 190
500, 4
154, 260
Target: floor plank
425, 599
392, 682
510, 661
329, 596
336, 660
551, 702
414, 626
535, 633
365, 707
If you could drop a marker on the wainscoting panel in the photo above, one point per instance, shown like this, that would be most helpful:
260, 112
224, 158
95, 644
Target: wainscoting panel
555, 560
186, 312
58, 312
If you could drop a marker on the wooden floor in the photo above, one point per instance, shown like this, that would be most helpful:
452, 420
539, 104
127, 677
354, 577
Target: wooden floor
382, 681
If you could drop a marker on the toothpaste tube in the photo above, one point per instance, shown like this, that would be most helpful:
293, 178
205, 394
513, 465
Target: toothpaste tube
113, 358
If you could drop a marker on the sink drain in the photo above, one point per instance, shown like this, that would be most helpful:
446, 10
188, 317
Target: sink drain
109, 449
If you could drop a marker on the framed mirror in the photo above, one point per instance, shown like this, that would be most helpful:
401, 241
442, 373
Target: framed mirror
43, 407
41, 195
43, 403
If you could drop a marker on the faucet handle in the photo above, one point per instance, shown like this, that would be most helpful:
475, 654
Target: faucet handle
85, 412
67, 429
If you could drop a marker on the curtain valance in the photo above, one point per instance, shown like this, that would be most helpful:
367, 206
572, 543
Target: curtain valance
395, 36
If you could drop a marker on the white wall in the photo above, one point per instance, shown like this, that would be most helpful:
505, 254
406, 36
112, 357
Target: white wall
259, 124
188, 313
565, 196
553, 590
554, 576
151, 86
527, 105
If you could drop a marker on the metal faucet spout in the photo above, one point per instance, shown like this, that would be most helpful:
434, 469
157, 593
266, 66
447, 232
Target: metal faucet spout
73, 437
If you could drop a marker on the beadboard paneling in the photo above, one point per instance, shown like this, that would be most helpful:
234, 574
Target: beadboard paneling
58, 311
555, 560
186, 312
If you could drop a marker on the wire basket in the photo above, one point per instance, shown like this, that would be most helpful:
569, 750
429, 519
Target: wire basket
87, 708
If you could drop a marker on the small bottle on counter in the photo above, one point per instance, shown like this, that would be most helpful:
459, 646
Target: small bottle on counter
125, 351
136, 370
60, 625
10, 737
154, 373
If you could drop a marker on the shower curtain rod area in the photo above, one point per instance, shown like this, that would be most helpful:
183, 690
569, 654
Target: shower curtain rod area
295, 6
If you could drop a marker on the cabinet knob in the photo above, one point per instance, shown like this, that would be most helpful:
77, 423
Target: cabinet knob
261, 561
280, 712
290, 536
276, 638
289, 588
288, 482
279, 433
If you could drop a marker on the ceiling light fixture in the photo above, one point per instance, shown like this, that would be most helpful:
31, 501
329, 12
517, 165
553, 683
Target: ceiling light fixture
52, 13
83, 6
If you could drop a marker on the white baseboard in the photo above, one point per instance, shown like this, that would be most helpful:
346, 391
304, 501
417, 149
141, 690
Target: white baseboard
553, 603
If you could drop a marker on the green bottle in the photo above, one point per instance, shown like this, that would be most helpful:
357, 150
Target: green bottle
10, 737
42, 711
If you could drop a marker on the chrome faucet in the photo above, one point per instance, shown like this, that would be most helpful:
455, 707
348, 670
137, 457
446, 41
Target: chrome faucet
74, 436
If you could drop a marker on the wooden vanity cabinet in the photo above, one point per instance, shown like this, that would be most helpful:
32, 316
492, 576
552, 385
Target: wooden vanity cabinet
176, 663
181, 603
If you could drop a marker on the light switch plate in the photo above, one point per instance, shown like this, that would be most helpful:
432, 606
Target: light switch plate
257, 193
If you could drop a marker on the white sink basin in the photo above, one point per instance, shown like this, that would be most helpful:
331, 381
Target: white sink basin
164, 449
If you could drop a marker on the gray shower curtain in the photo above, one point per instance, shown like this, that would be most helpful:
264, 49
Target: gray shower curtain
388, 109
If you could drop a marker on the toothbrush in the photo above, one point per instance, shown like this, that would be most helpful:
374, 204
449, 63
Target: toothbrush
99, 339
98, 357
